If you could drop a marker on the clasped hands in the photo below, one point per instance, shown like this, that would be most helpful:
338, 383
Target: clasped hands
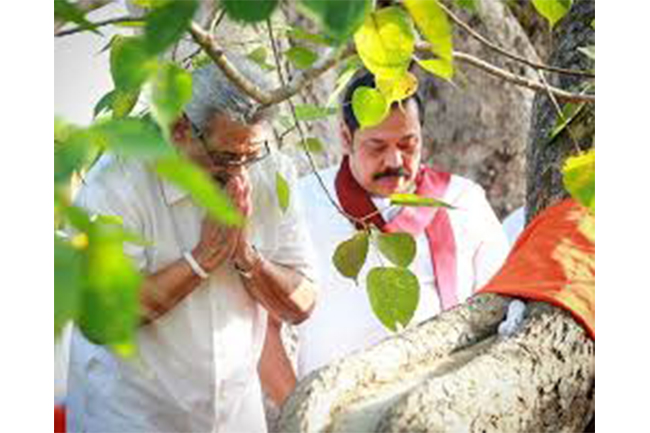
220, 244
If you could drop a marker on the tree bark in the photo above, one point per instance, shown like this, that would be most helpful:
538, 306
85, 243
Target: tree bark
454, 373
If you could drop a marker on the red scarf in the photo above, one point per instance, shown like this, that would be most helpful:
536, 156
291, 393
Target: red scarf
413, 220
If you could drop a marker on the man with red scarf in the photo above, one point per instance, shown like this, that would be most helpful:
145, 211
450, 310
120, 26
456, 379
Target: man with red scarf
458, 250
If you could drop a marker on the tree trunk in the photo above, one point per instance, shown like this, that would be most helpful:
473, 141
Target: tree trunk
454, 373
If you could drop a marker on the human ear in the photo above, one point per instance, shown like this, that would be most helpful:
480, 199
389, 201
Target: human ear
346, 138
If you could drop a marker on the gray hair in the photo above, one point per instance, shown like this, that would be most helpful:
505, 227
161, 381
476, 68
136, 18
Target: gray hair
214, 93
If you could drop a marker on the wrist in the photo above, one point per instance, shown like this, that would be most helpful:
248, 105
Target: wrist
247, 260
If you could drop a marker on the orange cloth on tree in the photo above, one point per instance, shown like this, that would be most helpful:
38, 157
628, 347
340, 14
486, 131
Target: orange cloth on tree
554, 261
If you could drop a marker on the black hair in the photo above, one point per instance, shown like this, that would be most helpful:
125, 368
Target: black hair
365, 78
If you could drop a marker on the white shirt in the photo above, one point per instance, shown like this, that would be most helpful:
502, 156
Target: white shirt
197, 364
343, 321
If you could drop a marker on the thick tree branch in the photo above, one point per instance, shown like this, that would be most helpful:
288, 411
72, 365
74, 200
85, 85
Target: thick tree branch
217, 54
473, 33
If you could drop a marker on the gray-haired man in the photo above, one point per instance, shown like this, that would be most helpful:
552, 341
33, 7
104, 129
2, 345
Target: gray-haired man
209, 289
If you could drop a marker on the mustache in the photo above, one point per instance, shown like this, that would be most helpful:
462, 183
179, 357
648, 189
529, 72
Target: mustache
391, 172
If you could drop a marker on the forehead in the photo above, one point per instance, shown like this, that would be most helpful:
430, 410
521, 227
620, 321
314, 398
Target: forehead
402, 121
223, 128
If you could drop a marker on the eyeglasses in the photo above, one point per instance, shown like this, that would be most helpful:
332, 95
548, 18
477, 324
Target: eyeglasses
230, 159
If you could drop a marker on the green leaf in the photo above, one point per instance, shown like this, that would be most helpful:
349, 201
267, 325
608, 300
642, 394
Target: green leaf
468, 5
397, 89
68, 282
130, 63
433, 24
589, 51
386, 41
350, 255
109, 311
131, 137
303, 35
394, 294
65, 11
416, 200
579, 176
171, 91
369, 106
73, 155
203, 190
249, 11
120, 102
351, 66
313, 144
283, 191
259, 56
166, 24
399, 248
552, 10
570, 112
301, 57
339, 19
308, 112
441, 67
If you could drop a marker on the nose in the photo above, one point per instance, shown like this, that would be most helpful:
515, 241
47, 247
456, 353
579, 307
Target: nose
393, 158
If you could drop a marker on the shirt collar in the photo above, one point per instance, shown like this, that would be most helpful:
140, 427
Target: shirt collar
172, 193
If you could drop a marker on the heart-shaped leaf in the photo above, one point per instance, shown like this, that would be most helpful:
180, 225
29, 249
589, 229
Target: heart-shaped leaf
394, 295
399, 248
350, 255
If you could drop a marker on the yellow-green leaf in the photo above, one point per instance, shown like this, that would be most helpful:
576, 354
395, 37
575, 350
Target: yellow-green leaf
283, 191
203, 190
308, 112
350, 255
552, 10
259, 55
416, 200
386, 41
399, 248
313, 144
443, 68
580, 178
394, 295
369, 106
399, 88
433, 24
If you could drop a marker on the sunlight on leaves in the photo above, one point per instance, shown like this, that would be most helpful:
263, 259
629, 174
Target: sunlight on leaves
433, 24
369, 106
552, 10
386, 41
579, 176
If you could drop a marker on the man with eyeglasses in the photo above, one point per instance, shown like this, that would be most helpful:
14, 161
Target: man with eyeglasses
210, 290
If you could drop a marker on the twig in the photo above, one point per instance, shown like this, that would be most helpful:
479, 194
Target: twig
208, 43
517, 79
84, 6
298, 125
117, 20
508, 54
